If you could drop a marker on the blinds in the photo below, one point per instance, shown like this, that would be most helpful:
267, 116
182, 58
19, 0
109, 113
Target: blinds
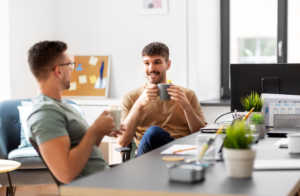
4, 51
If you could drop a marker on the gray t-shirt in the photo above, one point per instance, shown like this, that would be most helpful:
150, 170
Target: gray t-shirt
51, 118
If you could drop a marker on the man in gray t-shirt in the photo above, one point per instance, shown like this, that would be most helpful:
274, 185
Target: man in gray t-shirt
68, 145
62, 119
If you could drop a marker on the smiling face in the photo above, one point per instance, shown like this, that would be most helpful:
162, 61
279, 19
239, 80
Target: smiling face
155, 68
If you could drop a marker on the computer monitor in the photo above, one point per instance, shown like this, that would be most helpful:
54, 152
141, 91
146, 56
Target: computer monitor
245, 78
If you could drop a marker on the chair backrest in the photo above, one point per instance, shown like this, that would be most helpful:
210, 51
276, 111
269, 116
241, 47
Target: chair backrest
58, 183
10, 127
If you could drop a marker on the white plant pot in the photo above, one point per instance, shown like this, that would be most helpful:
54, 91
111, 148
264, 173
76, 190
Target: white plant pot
249, 121
239, 162
261, 130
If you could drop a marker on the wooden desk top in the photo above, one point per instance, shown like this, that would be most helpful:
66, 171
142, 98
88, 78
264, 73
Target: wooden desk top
8, 165
148, 175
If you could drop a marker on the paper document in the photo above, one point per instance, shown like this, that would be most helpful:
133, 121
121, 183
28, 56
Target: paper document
282, 141
82, 79
93, 79
277, 164
177, 147
93, 60
73, 86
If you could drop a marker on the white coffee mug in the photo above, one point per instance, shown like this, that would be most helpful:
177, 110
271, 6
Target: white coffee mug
116, 114
294, 142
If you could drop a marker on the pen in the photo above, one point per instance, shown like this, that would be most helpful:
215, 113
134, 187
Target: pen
101, 70
184, 150
210, 141
248, 114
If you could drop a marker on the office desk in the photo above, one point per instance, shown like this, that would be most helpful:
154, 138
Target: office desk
147, 175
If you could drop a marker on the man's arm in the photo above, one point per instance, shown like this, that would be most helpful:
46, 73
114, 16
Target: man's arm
66, 163
114, 134
194, 122
130, 124
131, 121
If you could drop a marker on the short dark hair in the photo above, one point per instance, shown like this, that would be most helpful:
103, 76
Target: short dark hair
156, 48
41, 56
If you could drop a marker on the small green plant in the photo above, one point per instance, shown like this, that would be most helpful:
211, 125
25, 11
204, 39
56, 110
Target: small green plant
258, 119
252, 100
238, 136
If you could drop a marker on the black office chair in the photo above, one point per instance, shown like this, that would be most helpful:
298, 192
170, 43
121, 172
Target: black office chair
58, 183
125, 152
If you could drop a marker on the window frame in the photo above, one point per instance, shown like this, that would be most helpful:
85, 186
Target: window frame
282, 29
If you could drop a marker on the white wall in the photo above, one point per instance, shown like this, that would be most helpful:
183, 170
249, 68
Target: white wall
96, 27
4, 51
209, 52
30, 21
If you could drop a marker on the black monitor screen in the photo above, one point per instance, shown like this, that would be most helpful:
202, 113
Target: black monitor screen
245, 78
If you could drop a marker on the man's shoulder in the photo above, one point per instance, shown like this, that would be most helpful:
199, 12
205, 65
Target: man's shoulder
188, 92
43, 103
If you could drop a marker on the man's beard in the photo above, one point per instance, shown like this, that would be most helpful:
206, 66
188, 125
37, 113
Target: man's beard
157, 81
66, 85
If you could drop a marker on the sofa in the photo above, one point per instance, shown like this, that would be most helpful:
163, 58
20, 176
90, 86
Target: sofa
32, 170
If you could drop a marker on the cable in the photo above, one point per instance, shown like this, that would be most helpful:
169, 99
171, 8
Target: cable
221, 116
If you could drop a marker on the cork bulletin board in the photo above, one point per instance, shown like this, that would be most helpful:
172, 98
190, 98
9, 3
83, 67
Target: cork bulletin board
90, 77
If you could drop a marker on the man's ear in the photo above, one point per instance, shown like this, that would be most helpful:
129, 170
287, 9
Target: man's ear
169, 64
57, 71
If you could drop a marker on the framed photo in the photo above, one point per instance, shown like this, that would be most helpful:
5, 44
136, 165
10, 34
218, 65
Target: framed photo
153, 7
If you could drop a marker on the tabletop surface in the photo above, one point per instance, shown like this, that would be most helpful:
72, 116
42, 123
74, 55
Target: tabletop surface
8, 165
148, 173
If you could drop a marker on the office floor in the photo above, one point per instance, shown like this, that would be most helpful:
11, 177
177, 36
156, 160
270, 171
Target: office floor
40, 190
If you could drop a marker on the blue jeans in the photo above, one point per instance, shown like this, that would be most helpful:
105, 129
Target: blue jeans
153, 138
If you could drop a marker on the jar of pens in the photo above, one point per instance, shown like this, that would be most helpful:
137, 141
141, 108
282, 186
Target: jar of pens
206, 151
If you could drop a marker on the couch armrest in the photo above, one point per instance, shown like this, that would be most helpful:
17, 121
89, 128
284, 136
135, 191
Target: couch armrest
123, 149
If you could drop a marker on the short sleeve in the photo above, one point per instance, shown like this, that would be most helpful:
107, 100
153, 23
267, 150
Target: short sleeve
125, 105
197, 108
46, 124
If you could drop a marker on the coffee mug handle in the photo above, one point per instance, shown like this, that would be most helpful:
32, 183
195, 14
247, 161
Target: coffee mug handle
157, 89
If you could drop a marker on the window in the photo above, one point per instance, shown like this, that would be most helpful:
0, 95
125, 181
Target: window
253, 31
256, 50
293, 31
4, 51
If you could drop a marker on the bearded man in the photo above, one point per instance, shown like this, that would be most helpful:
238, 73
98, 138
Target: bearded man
153, 122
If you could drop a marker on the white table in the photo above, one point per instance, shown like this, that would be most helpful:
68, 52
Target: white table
7, 166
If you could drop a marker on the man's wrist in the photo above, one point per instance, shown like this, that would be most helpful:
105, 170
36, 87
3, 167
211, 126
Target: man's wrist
94, 133
188, 107
138, 106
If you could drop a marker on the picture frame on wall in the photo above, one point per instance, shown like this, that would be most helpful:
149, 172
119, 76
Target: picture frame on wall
153, 7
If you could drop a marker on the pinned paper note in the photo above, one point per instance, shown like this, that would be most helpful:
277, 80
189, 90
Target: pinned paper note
93, 60
93, 79
79, 68
72, 86
82, 79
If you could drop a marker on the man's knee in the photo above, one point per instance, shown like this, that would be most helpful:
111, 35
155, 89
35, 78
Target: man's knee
155, 132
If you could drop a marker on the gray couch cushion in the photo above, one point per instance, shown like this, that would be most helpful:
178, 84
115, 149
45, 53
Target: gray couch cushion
26, 177
28, 157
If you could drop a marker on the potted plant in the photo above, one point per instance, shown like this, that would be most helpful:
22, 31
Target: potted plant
237, 154
259, 124
252, 101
